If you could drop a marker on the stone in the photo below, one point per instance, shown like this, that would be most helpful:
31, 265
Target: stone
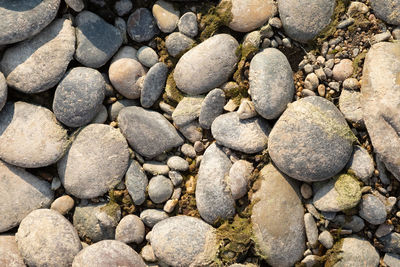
361, 164
23, 20
187, 110
120, 24
340, 193
117, 106
384, 229
156, 167
306, 191
147, 56
151, 217
21, 193
252, 39
175, 177
101, 116
239, 178
277, 219
188, 150
76, 5
97, 41
142, 25
311, 230
108, 253
303, 21
357, 7
147, 254
317, 127
130, 230
3, 91
343, 70
160, 189
95, 163
207, 65
391, 259
63, 204
184, 241
177, 163
211, 107
166, 15
178, 43
187, 24
350, 106
30, 136
228, 130
123, 7
391, 243
387, 10
353, 223
213, 198
9, 254
148, 132
46, 238
38, 64
136, 182
125, 52
246, 109
326, 239
154, 84
372, 209
271, 83
79, 96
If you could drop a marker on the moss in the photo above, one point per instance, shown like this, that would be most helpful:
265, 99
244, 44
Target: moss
216, 18
333, 256
349, 191
111, 209
163, 53
172, 95
357, 63
123, 200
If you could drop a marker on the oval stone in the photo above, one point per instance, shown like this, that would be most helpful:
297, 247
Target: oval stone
207, 65
136, 183
387, 10
153, 84
142, 25
9, 254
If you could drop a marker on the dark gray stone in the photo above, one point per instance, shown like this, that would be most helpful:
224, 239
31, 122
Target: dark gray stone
78, 96
187, 24
311, 141
191, 131
178, 43
148, 132
23, 19
354, 223
160, 189
391, 243
76, 5
212, 107
136, 182
271, 83
387, 10
154, 84
372, 209
97, 41
147, 56
3, 91
9, 254
151, 217
142, 25
187, 110
117, 106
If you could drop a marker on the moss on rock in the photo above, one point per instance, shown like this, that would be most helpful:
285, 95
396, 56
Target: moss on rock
216, 17
349, 191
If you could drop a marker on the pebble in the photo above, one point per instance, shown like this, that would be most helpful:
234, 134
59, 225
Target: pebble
271, 83
123, 7
117, 106
177, 44
207, 65
136, 183
351, 84
246, 109
30, 136
160, 189
391, 259
252, 39
320, 73
166, 15
326, 239
147, 56
101, 116
76, 5
361, 163
3, 91
63, 204
120, 24
357, 7
354, 223
108, 253
156, 168
381, 37
152, 216
24, 20
130, 230
384, 229
45, 237
387, 10
154, 84
345, 23
160, 134
188, 150
350, 106
9, 254
343, 70
211, 107
177, 164
95, 163
306, 191
239, 178
167, 108
311, 260
187, 24
147, 254
311, 230
391, 243
372, 210
141, 25
229, 131
187, 110
175, 177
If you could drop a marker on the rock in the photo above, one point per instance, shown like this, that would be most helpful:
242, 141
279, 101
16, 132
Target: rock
160, 189
252, 39
123, 7
130, 230
271, 83
23, 20
311, 230
76, 5
97, 221
317, 126
228, 130
380, 84
46, 238
136, 182
361, 164
97, 41
239, 178
78, 96
147, 56
166, 15
125, 52
159, 135
108, 253
178, 43
175, 177
152, 216
304, 22
95, 163
117, 106
38, 64
391, 259
306, 191
277, 219
213, 197
187, 24
3, 91
101, 116
141, 25
30, 136
350, 106
178, 164
387, 10
188, 150
246, 109
357, 7
9, 254
191, 131
187, 110
147, 254
21, 193
154, 84
372, 209
63, 204
156, 168
211, 107
120, 24
337, 194
384, 229
184, 241
326, 239
343, 70
353, 223
207, 65
391, 243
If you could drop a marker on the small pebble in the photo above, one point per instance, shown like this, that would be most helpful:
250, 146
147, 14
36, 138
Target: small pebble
311, 229
147, 254
306, 191
147, 56
187, 24
160, 189
177, 164
326, 239
188, 150
63, 204
156, 168
130, 230
152, 216
175, 177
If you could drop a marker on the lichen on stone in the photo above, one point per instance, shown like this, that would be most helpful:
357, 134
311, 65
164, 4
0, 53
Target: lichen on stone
349, 191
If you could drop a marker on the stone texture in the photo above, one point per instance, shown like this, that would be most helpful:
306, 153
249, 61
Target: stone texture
9, 254
343, 70
178, 43
3, 91
130, 230
154, 84
147, 56
391, 243
136, 182
391, 259
187, 110
372, 209
353, 223
63, 204
118, 105
151, 217
166, 15
187, 24
160, 189
387, 10
211, 107
76, 5
361, 164
142, 25
350, 106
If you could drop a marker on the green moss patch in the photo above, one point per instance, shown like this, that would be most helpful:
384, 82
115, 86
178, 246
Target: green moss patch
216, 17
172, 94
349, 191
333, 255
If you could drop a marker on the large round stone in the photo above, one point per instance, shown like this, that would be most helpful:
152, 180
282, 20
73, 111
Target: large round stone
96, 161
311, 141
30, 136
387, 10
9, 254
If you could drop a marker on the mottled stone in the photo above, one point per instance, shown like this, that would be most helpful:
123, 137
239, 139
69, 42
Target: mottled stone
211, 107
166, 15
311, 230
391, 243
101, 116
130, 230
63, 204
142, 25
350, 106
136, 182
150, 217
239, 178
9, 254
361, 163
353, 223
147, 56
177, 163
187, 110
372, 209
187, 24
117, 106
387, 10
123, 7
156, 167
191, 131
391, 259
178, 43
343, 70
3, 91
154, 84
160, 189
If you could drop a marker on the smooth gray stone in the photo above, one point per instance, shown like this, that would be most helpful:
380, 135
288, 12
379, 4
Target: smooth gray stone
247, 136
46, 238
101, 116
148, 132
187, 110
187, 24
117, 106
387, 10
141, 25
191, 131
211, 107
151, 217
154, 84
78, 96
177, 163
311, 141
30, 136
184, 241
355, 223
147, 56
21, 20
207, 65
350, 105
361, 163
9, 254
160, 189
76, 5
391, 243
3, 91
391, 259
97, 41
213, 197
38, 64
372, 209
130, 230
95, 163
21, 193
271, 83
178, 43
239, 178
136, 182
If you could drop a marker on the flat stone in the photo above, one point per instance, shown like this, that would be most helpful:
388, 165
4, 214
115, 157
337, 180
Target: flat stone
207, 65
3, 91
187, 24
387, 10
384, 229
311, 230
191, 131
372, 209
211, 107
361, 163
166, 15
326, 239
151, 217
63, 204
21, 193
311, 141
177, 163
350, 106
46, 238
239, 178
79, 96
38, 64
178, 43
271, 83
277, 219
136, 182
353, 223
228, 130
187, 110
117, 106
9, 254
30, 136
130, 230
142, 25
148, 132
154, 84
20, 21
147, 56
156, 167
160, 189
97, 41
391, 259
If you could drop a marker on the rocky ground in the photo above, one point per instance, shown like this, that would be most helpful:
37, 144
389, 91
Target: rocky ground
200, 133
